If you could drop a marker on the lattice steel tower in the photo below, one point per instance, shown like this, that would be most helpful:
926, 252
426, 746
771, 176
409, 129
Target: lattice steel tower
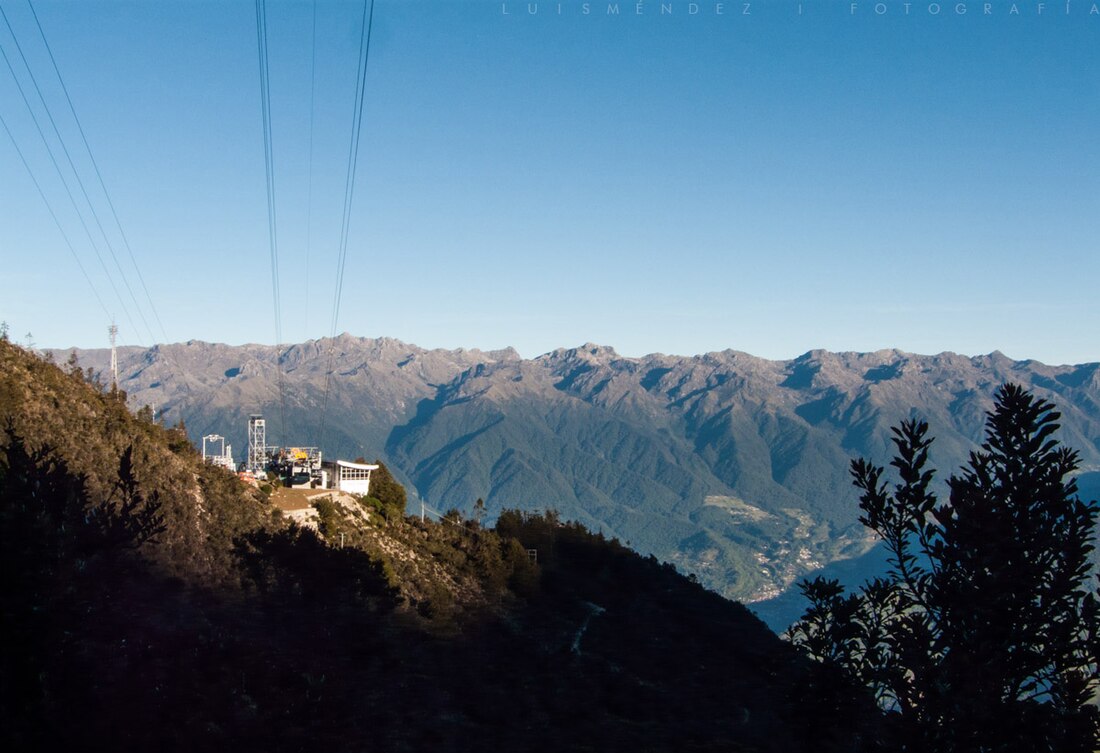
257, 443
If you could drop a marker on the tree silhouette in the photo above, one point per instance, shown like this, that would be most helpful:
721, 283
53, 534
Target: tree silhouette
59, 549
983, 637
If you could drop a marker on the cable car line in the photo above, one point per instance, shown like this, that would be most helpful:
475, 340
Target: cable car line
309, 194
366, 27
272, 226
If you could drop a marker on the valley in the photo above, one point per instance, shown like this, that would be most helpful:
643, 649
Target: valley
729, 466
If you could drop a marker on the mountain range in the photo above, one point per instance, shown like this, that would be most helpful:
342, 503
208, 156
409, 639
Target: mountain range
157, 602
729, 466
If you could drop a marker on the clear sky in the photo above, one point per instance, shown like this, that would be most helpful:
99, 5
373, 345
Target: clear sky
671, 182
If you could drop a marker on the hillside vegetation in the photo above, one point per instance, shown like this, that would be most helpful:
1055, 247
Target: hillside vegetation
733, 467
150, 601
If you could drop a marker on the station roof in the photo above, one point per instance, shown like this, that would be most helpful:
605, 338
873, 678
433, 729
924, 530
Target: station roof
358, 466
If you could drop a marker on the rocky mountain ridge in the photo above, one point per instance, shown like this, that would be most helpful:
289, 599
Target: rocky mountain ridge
161, 603
730, 466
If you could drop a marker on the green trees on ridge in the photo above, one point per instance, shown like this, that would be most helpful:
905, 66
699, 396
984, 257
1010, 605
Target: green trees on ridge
984, 634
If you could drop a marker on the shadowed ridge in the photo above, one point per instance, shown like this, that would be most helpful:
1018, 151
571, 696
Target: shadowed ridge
211, 623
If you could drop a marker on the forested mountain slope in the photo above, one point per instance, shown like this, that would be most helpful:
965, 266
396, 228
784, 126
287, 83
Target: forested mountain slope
153, 602
730, 466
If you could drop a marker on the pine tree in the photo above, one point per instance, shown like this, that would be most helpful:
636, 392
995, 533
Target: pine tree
984, 635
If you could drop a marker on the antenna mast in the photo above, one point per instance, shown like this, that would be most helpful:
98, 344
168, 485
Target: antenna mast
113, 332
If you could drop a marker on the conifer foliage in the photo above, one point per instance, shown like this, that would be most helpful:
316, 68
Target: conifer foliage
983, 637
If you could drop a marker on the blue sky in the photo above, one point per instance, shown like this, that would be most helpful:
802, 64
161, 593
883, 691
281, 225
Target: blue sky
678, 183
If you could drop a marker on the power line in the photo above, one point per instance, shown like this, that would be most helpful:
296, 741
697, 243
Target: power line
65, 236
312, 112
72, 165
272, 227
366, 27
99, 175
56, 222
353, 160
68, 190
424, 508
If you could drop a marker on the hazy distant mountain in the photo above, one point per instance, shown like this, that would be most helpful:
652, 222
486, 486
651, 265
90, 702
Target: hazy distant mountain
732, 467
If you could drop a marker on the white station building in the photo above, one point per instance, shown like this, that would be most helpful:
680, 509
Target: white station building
353, 478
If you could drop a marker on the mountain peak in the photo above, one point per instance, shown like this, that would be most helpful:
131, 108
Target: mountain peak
219, 581
634, 446
590, 352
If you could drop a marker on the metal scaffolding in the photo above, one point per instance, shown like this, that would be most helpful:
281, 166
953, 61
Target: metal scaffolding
257, 443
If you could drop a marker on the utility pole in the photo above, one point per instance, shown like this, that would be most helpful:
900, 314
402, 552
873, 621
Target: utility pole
113, 332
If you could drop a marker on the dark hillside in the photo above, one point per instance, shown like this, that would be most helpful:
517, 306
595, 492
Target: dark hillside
150, 601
